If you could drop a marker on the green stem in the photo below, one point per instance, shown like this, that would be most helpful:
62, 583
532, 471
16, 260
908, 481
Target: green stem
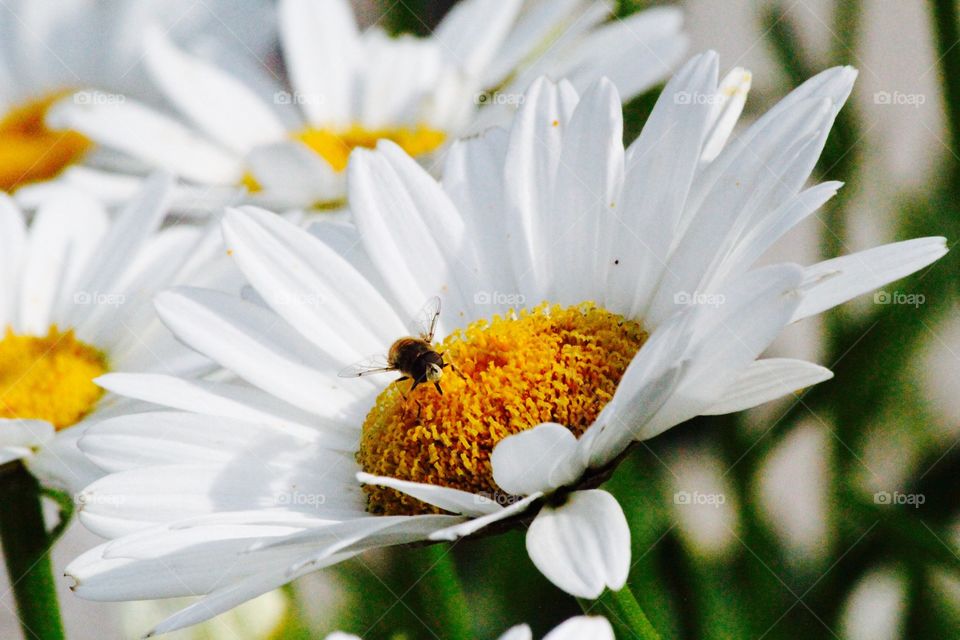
947, 31
442, 599
624, 613
25, 546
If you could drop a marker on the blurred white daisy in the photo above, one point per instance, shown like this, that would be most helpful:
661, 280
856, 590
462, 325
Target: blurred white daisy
75, 303
48, 50
577, 628
351, 89
637, 310
262, 618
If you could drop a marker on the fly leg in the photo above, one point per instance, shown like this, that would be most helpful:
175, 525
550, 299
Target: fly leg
405, 396
455, 370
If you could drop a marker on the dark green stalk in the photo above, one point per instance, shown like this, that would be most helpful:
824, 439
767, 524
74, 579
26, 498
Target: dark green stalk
624, 613
442, 599
25, 550
947, 36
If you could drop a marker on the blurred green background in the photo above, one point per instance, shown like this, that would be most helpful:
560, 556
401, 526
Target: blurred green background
781, 522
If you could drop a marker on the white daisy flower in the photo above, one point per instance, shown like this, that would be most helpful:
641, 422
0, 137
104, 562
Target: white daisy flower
351, 89
637, 310
577, 628
48, 50
75, 303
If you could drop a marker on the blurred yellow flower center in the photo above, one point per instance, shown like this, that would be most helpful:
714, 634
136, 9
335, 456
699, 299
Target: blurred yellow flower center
548, 364
335, 146
48, 378
29, 151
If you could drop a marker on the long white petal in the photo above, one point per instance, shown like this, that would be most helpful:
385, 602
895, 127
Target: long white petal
452, 500
321, 48
220, 105
767, 380
476, 524
135, 129
473, 30
308, 284
64, 235
210, 398
257, 345
840, 279
13, 240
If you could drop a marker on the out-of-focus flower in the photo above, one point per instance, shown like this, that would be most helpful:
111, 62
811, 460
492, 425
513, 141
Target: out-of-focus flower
49, 50
259, 619
578, 628
875, 608
75, 303
349, 90
593, 297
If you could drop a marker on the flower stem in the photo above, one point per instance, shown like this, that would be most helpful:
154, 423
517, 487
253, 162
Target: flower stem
25, 546
947, 32
442, 598
624, 613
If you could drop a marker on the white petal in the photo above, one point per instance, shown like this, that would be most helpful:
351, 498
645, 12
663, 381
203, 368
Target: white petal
361, 534
217, 103
174, 437
452, 500
519, 632
625, 418
411, 229
308, 284
61, 464
131, 229
210, 398
320, 44
732, 96
13, 241
473, 178
133, 128
582, 628
588, 187
476, 524
129, 501
661, 164
582, 546
63, 236
757, 182
773, 226
291, 174
840, 279
728, 338
533, 155
633, 52
27, 434
256, 344
473, 30
222, 600
767, 380
535, 30
540, 459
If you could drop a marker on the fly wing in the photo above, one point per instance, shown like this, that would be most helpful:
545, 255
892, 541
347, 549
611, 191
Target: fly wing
367, 366
424, 324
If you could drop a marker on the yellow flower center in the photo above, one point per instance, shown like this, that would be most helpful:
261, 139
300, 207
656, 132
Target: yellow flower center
548, 364
49, 378
29, 151
335, 146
